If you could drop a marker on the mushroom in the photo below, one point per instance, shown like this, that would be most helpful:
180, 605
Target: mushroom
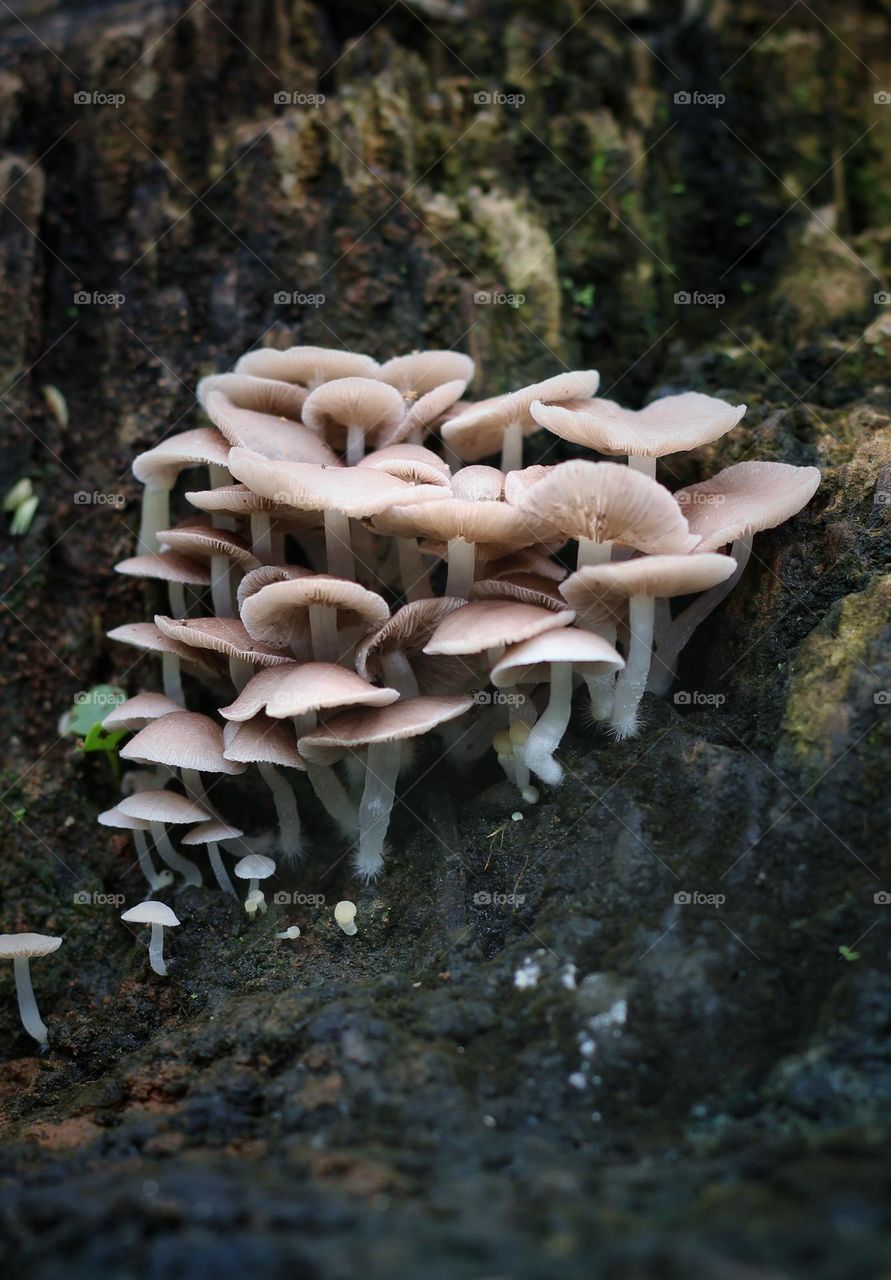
255, 867
160, 917
424, 413
146, 636
156, 880
228, 636
176, 570
553, 655
211, 834
503, 422
306, 367
394, 653
729, 509
349, 412
640, 583
298, 692
21, 948
381, 732
421, 372
340, 493
267, 743
344, 917
672, 424
222, 548
269, 520
474, 512
332, 609
159, 468
161, 809
491, 625
262, 414
137, 711
599, 503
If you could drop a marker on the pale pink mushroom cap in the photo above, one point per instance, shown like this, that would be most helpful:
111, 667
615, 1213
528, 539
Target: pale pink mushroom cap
184, 740
603, 588
263, 415
165, 566
222, 635
423, 414
27, 945
407, 632
237, 500
670, 425
352, 730
365, 403
257, 579
161, 465
168, 807
146, 636
279, 614
489, 624
478, 432
121, 821
530, 661
410, 462
215, 830
307, 367
475, 511
201, 541
745, 499
137, 711
304, 687
354, 492
608, 502
528, 588
262, 740
421, 372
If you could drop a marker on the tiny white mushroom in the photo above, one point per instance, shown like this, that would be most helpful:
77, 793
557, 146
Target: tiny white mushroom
293, 931
20, 947
255, 867
344, 917
160, 917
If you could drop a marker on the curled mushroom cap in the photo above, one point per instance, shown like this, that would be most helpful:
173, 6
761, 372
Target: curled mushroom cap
263, 415
121, 821
669, 425
607, 502
348, 490
222, 635
257, 579
151, 913
306, 367
201, 541
423, 371
162, 806
184, 740
262, 741
166, 566
27, 945
410, 462
278, 614
607, 586
403, 637
424, 413
530, 661
236, 500
146, 636
474, 510
745, 499
371, 408
303, 687
160, 466
489, 624
528, 588
479, 432
352, 730
211, 832
139, 710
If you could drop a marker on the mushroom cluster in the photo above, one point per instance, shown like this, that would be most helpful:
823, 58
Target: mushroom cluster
353, 574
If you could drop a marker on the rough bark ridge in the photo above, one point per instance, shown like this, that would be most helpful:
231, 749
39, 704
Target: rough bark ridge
710, 1095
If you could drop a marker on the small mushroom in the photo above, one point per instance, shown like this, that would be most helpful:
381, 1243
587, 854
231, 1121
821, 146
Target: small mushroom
162, 809
333, 610
224, 551
160, 917
21, 948
146, 636
306, 367
267, 743
159, 468
176, 570
211, 834
156, 880
292, 932
344, 917
255, 867
350, 411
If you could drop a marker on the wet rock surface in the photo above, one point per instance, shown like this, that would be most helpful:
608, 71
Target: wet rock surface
644, 1030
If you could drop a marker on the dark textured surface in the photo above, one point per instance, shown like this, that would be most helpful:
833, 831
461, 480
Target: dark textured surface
393, 1104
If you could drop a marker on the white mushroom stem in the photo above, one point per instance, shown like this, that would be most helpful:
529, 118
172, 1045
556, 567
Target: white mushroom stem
286, 809
219, 477
602, 689
155, 879
678, 634
462, 568
646, 466
155, 516
591, 552
240, 672
189, 870
171, 675
218, 867
398, 673
338, 545
547, 732
521, 718
632, 680
381, 771
156, 950
191, 780
413, 570
31, 1019
323, 629
332, 795
176, 594
221, 585
261, 537
355, 449
512, 447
